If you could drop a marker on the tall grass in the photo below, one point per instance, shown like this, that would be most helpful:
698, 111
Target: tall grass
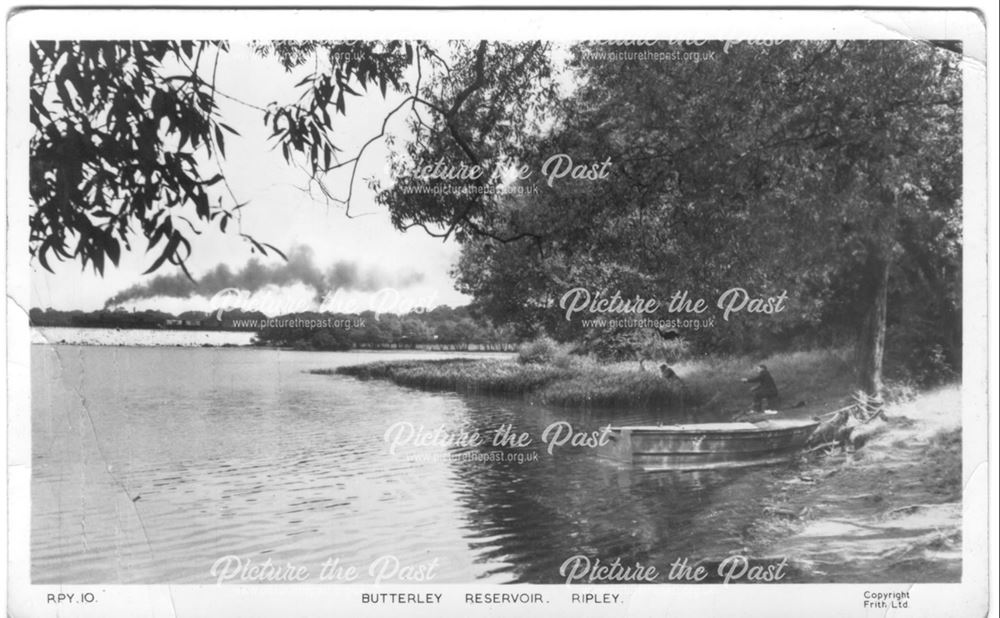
811, 377
595, 387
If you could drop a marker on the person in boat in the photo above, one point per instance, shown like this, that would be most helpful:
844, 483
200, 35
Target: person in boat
764, 390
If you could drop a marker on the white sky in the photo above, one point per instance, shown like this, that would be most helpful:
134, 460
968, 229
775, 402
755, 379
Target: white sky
279, 212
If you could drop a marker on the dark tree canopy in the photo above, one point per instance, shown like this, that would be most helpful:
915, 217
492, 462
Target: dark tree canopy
817, 167
116, 145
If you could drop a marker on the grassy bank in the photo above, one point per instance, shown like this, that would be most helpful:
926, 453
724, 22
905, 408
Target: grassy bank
579, 385
481, 376
815, 380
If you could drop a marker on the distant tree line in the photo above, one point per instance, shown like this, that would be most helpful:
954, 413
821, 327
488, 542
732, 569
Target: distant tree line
441, 328
149, 318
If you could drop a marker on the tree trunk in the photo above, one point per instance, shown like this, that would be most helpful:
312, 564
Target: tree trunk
871, 336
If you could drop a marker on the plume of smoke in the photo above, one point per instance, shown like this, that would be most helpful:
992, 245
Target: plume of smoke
254, 275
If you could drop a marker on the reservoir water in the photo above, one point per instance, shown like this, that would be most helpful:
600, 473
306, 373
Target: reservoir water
150, 464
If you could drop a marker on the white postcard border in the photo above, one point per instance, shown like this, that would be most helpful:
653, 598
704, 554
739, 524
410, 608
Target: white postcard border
966, 598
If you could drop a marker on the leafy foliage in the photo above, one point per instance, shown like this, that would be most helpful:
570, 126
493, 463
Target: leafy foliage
796, 166
305, 126
476, 113
125, 131
122, 132
116, 143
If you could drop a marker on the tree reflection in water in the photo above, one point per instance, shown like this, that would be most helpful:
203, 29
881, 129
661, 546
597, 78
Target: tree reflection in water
526, 518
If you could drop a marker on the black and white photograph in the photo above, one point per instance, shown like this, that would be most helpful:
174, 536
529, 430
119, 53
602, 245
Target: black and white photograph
389, 314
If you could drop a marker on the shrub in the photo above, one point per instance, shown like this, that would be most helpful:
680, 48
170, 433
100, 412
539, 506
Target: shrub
672, 350
569, 361
644, 344
922, 352
540, 351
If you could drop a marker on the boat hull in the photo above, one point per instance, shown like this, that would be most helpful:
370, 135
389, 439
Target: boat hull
708, 445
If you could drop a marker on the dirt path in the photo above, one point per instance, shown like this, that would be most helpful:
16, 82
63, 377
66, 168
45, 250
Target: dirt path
890, 510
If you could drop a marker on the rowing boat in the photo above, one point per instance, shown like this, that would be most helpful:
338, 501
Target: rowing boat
708, 445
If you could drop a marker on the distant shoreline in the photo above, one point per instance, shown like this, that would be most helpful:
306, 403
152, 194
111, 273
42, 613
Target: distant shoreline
141, 329
138, 337
55, 338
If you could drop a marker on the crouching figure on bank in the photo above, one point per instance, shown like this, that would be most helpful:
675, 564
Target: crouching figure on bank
765, 391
